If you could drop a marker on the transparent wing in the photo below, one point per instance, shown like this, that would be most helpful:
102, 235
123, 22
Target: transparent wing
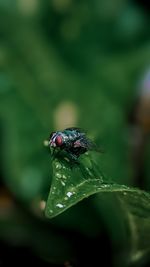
88, 144
92, 146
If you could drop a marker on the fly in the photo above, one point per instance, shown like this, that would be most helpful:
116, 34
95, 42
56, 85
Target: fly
72, 140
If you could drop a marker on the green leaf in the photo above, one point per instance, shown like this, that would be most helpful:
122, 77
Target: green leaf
19, 228
73, 183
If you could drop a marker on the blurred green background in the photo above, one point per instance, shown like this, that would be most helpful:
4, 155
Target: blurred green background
69, 63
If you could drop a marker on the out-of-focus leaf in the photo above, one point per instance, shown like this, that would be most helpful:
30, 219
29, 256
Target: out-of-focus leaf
20, 229
73, 183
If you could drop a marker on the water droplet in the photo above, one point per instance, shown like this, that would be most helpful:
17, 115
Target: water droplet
59, 205
58, 166
63, 183
64, 177
58, 175
124, 193
88, 170
67, 159
69, 194
51, 211
65, 198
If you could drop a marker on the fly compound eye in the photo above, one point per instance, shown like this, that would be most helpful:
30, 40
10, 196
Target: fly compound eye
58, 140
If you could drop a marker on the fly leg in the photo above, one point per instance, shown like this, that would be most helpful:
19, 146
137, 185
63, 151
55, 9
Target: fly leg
53, 153
73, 157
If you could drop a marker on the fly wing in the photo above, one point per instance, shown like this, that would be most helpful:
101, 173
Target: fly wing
87, 143
91, 145
84, 141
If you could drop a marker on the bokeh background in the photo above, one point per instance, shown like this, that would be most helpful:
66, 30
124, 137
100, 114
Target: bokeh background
69, 63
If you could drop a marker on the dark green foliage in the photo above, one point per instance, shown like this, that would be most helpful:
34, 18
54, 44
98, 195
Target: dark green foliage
83, 58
